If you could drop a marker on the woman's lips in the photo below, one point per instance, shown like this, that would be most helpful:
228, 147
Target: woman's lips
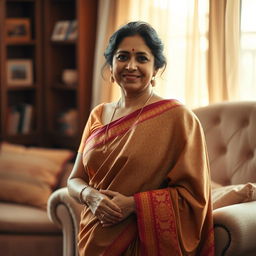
131, 77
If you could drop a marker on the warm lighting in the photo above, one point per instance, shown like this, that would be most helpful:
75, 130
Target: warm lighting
247, 88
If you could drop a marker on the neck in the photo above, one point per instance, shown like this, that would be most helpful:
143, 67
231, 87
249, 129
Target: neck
131, 101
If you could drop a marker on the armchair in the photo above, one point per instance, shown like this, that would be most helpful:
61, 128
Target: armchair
230, 136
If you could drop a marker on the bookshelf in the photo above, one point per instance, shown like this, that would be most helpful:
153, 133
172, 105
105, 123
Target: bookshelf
68, 59
60, 108
21, 71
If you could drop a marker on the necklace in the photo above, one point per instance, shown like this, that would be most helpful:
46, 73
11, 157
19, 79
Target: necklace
135, 122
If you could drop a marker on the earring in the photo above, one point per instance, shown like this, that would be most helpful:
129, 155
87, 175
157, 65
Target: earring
153, 81
112, 79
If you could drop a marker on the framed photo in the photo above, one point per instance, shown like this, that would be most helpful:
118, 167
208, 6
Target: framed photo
18, 30
60, 30
19, 72
72, 31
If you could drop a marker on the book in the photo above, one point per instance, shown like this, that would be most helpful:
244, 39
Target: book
13, 119
19, 118
27, 118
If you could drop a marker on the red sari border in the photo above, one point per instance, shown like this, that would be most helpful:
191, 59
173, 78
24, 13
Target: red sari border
156, 223
123, 124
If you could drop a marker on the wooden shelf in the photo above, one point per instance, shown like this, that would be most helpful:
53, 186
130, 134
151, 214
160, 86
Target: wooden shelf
21, 88
25, 139
20, 43
63, 42
64, 87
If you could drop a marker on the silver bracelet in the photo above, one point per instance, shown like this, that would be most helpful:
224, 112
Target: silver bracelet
81, 196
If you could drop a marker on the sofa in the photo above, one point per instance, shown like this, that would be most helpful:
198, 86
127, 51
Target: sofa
27, 178
230, 136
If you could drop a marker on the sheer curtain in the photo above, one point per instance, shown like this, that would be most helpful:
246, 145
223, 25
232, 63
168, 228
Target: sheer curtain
199, 71
224, 37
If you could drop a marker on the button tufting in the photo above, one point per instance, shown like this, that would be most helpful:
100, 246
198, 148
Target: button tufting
216, 120
245, 122
223, 150
250, 154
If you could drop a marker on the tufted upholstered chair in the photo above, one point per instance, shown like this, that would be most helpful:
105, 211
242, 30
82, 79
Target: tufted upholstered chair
230, 130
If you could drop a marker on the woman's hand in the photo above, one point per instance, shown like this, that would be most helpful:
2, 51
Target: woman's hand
125, 203
102, 206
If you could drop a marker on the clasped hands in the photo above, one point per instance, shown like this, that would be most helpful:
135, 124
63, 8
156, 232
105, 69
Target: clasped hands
108, 206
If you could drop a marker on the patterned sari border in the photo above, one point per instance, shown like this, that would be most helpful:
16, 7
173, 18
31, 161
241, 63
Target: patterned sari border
128, 117
156, 222
124, 124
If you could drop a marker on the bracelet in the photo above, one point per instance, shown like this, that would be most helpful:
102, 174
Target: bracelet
81, 196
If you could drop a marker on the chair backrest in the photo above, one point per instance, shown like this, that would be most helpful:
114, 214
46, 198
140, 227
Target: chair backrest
230, 131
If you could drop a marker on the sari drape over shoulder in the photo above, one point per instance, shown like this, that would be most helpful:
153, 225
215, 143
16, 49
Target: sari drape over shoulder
158, 156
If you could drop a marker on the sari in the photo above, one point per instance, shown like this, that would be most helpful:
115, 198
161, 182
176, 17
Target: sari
158, 155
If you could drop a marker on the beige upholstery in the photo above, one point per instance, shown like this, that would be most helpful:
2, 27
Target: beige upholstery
27, 230
230, 130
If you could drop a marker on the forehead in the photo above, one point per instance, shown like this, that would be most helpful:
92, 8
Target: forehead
133, 43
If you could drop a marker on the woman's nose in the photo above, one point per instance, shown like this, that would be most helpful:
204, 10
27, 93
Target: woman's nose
131, 65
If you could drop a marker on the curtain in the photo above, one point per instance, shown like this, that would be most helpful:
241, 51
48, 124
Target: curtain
223, 60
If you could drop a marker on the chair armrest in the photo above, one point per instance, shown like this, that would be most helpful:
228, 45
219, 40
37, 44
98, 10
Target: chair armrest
235, 229
65, 212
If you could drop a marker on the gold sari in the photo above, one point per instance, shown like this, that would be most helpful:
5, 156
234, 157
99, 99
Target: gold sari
159, 156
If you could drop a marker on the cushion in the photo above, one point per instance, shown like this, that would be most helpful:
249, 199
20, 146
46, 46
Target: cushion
28, 175
233, 194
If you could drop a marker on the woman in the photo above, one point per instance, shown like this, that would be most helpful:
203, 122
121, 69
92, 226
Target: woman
142, 169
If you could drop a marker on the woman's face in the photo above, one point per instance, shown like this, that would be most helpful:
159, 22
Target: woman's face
133, 65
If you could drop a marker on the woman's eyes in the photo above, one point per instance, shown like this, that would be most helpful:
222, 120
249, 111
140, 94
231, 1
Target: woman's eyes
139, 58
142, 58
122, 57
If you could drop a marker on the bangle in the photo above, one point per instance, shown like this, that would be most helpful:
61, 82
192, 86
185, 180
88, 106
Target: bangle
81, 196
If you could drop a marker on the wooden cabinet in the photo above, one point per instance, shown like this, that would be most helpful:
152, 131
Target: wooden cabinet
21, 71
57, 72
68, 104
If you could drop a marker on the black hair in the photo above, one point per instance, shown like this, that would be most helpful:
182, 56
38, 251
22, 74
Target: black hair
147, 32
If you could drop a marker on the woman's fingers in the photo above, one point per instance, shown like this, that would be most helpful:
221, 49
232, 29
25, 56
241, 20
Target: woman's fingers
108, 207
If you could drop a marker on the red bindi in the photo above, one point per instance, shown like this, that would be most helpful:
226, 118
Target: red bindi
133, 49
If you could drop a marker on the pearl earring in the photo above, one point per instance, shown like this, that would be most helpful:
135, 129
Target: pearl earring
153, 81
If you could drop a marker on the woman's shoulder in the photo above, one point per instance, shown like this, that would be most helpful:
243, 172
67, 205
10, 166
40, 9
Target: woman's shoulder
180, 111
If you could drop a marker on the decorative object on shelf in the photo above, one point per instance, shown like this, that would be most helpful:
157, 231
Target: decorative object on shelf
67, 122
18, 30
60, 30
70, 77
19, 72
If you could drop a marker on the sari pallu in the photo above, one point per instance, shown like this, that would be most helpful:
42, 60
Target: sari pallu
159, 157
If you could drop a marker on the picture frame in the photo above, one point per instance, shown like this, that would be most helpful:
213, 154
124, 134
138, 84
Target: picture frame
18, 29
72, 33
60, 30
20, 72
